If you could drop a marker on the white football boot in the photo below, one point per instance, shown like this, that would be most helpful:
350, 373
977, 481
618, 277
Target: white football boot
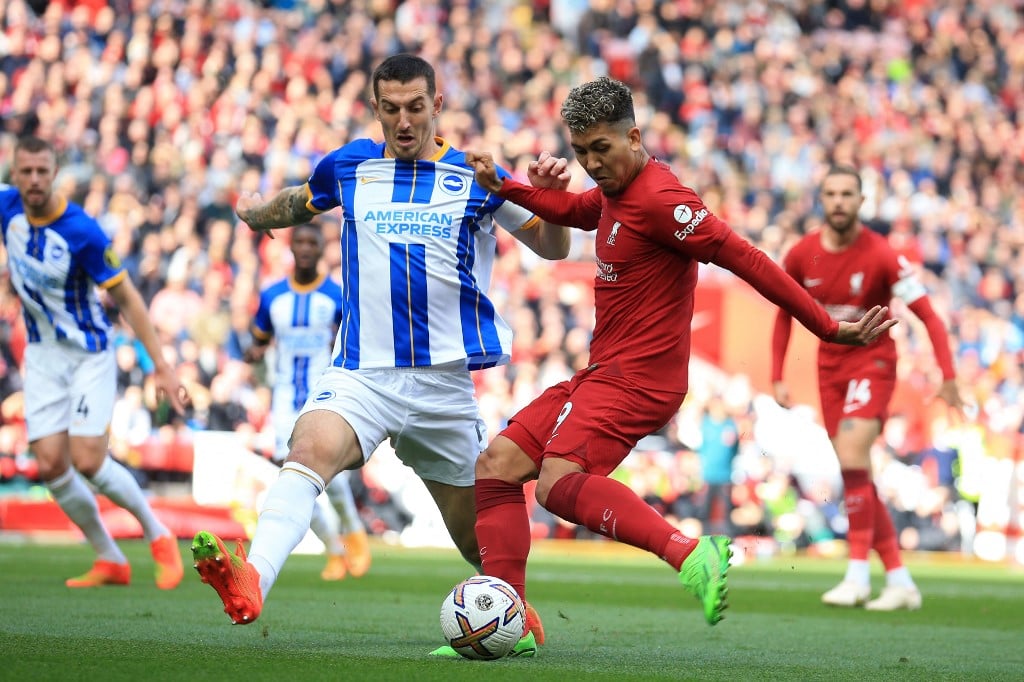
894, 598
847, 593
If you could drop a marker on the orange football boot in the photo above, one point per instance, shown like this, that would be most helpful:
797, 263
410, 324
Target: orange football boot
236, 581
357, 553
167, 556
335, 568
103, 573
533, 623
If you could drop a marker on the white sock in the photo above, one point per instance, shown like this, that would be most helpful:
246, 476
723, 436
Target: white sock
340, 493
899, 577
114, 481
74, 497
284, 520
325, 525
858, 571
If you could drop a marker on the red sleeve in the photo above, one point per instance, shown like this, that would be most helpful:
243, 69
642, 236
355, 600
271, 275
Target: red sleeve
783, 327
780, 341
750, 263
922, 307
554, 205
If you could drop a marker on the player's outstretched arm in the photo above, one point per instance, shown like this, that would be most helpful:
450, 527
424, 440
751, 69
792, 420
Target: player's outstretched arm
548, 240
286, 209
134, 311
866, 330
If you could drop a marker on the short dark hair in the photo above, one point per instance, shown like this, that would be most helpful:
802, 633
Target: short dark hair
604, 100
843, 169
33, 145
403, 68
312, 227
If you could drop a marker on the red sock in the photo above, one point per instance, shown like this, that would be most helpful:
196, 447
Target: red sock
858, 493
886, 543
503, 531
612, 509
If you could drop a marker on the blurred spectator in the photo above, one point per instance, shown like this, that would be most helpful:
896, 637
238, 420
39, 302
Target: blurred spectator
130, 426
163, 111
719, 445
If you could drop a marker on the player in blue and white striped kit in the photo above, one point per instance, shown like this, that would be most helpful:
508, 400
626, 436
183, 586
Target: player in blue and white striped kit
300, 313
57, 256
417, 245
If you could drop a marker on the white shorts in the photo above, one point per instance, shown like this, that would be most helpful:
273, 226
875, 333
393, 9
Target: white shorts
431, 417
68, 389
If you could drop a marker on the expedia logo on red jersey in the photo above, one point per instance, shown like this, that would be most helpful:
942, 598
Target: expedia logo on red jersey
690, 220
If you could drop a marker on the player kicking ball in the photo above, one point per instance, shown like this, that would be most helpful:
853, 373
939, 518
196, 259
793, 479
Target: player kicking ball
651, 233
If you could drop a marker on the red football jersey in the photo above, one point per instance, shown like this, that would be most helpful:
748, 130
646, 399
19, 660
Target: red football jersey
648, 243
850, 282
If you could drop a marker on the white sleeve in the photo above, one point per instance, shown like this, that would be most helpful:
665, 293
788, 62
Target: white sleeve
908, 288
512, 216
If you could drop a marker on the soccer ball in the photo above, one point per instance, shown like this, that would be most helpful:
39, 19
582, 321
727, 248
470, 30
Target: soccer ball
482, 618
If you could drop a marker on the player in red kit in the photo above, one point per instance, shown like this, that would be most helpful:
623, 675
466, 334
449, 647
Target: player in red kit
651, 232
849, 269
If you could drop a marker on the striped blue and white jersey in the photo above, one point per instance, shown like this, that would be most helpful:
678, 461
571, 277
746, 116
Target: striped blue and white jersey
417, 247
302, 319
55, 265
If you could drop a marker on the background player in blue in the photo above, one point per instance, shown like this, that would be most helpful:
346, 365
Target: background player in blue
57, 256
301, 314
417, 245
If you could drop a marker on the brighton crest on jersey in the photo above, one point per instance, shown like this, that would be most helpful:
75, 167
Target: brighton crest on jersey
55, 269
417, 246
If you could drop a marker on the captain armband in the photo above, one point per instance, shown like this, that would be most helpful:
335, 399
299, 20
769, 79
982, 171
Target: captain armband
909, 289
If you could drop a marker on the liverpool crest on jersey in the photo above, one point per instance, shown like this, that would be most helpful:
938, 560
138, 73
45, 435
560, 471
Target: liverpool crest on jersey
856, 283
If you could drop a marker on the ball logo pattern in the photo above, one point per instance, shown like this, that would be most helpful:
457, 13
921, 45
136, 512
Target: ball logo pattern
483, 618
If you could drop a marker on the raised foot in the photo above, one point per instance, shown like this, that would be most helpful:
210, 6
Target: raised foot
704, 574
235, 580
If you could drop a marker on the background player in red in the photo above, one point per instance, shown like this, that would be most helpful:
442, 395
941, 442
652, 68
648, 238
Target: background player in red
849, 269
650, 234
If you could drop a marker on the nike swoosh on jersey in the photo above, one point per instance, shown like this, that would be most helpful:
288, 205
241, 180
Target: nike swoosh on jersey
812, 282
365, 179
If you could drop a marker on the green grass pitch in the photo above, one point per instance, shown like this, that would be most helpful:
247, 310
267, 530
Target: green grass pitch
609, 615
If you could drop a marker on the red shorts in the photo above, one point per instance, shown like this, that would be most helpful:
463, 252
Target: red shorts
594, 419
863, 393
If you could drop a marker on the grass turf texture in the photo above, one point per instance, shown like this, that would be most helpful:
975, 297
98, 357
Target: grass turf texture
609, 615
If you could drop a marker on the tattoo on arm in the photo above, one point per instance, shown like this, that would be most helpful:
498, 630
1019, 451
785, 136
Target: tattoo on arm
286, 209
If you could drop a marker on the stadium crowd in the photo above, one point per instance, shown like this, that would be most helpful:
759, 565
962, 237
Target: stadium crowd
163, 110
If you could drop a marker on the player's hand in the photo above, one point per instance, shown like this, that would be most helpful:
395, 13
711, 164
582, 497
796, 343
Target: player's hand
169, 386
866, 330
781, 392
482, 164
245, 203
949, 393
549, 171
255, 352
